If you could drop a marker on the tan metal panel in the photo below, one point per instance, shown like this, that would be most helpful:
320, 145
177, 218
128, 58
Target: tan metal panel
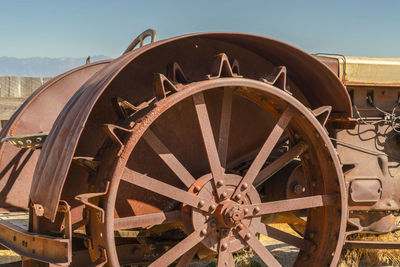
369, 70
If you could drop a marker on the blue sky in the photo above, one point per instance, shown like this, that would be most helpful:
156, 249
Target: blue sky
89, 27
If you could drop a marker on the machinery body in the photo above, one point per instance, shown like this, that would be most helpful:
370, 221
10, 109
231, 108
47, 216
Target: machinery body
193, 145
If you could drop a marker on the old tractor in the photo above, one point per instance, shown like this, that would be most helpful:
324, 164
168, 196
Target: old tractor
196, 146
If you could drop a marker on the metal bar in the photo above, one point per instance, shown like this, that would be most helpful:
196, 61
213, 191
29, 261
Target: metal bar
179, 249
225, 257
371, 244
264, 153
279, 163
146, 220
167, 190
35, 246
290, 204
186, 259
258, 247
224, 125
209, 142
289, 239
173, 163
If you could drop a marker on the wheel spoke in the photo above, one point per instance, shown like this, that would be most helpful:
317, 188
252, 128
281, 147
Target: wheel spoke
147, 220
264, 153
225, 258
290, 204
258, 247
279, 163
167, 190
289, 239
186, 259
172, 162
179, 249
208, 139
224, 125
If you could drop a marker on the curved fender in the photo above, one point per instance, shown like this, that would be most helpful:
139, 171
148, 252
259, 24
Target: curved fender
37, 114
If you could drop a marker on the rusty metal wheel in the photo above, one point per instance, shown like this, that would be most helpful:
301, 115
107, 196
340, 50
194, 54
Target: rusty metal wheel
177, 167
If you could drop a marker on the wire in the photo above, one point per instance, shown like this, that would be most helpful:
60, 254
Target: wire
388, 118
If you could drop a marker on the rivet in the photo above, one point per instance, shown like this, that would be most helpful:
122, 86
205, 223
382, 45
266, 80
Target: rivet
238, 196
240, 227
201, 203
244, 186
220, 183
204, 232
256, 209
224, 246
213, 207
246, 211
224, 195
247, 236
311, 235
197, 189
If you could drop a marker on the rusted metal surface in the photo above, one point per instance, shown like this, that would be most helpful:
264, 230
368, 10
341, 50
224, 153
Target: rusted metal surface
224, 211
197, 143
308, 80
363, 71
372, 244
140, 39
31, 141
36, 115
34, 245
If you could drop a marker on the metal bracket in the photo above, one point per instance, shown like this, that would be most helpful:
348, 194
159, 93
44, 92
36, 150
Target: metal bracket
36, 246
96, 221
223, 68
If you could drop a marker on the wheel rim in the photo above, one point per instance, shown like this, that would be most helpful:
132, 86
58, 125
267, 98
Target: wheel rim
239, 222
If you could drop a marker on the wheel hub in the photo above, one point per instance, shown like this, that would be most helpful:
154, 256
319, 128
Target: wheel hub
228, 215
231, 215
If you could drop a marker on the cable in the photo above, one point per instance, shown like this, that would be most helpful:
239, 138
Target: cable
388, 118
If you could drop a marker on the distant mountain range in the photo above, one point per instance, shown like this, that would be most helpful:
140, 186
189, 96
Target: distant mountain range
41, 66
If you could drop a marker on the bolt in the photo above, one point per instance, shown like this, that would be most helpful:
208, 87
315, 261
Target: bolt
201, 203
244, 186
256, 209
238, 196
197, 189
224, 195
298, 189
247, 236
213, 207
220, 183
224, 246
204, 231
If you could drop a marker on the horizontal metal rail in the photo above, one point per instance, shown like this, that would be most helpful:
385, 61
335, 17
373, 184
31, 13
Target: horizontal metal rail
36, 246
372, 244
